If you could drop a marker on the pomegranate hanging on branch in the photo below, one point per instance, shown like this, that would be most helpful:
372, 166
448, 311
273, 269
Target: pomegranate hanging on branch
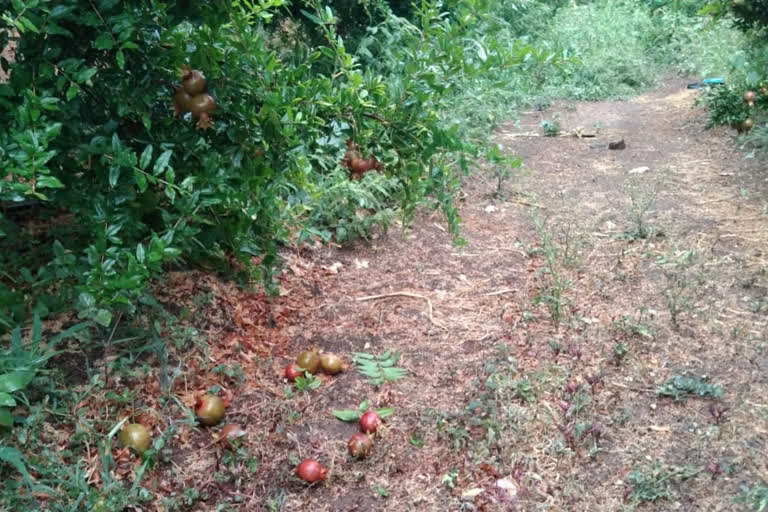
192, 97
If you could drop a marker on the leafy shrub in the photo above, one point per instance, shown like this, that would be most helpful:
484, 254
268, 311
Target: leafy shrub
748, 15
116, 188
726, 105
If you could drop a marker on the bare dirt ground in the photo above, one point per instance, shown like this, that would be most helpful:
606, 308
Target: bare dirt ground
534, 381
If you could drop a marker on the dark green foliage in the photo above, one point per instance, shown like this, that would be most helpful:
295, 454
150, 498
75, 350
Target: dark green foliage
748, 15
120, 189
689, 7
726, 106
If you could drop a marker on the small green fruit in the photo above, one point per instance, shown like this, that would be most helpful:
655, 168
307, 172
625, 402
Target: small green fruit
309, 360
136, 437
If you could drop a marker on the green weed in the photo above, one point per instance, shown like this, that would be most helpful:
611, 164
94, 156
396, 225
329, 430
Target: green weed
680, 387
503, 167
551, 127
755, 497
620, 47
684, 282
24, 361
635, 326
654, 483
643, 193
558, 255
307, 383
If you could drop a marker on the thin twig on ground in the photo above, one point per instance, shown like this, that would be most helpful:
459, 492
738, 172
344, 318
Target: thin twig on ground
501, 292
405, 294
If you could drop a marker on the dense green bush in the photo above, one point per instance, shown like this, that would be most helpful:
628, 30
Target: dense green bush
119, 188
749, 15
105, 187
747, 70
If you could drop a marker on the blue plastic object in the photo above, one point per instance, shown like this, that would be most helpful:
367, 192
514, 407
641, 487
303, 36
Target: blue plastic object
708, 82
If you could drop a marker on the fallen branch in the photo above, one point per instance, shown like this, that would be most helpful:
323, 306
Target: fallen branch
501, 292
562, 134
405, 294
526, 203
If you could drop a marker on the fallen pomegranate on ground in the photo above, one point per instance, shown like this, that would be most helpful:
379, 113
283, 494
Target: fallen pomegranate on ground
136, 437
311, 471
309, 360
359, 445
210, 409
229, 435
332, 364
369, 422
292, 371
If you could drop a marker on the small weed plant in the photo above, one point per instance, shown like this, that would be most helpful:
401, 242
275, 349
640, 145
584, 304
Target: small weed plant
503, 166
354, 414
655, 483
558, 255
551, 127
755, 497
680, 387
643, 195
684, 282
380, 369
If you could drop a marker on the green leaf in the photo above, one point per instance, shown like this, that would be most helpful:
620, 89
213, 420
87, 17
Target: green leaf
49, 182
12, 456
104, 41
29, 25
162, 162
114, 175
314, 19
141, 180
146, 157
6, 420
72, 91
347, 415
6, 400
84, 75
86, 300
103, 317
385, 412
14, 381
140, 253
120, 56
